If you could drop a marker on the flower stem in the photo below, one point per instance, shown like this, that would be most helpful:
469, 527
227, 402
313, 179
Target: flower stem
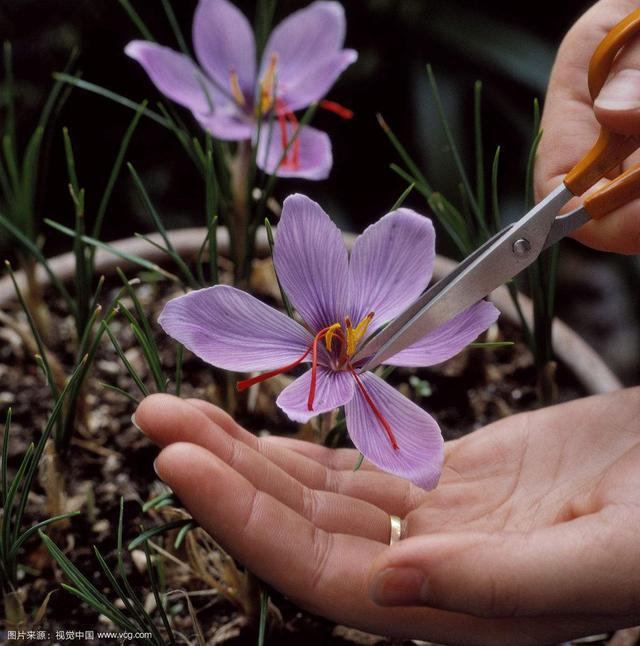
241, 244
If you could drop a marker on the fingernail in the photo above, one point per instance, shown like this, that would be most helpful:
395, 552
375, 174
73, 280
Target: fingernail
133, 421
620, 92
400, 586
155, 468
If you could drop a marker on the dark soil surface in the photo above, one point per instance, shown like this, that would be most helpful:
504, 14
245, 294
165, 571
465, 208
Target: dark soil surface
109, 459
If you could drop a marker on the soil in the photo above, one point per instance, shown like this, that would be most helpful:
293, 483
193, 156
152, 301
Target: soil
109, 459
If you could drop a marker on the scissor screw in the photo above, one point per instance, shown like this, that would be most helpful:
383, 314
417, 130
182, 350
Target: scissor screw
521, 247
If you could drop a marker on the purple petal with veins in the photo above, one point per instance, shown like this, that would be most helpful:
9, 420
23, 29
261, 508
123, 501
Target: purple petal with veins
225, 45
308, 49
231, 329
311, 262
177, 76
420, 451
333, 389
449, 339
391, 264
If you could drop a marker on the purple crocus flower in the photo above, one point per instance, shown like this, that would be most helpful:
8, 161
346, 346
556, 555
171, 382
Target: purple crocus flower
341, 301
233, 98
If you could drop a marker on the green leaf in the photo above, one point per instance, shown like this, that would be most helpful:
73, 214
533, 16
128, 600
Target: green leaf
156, 531
137, 21
132, 258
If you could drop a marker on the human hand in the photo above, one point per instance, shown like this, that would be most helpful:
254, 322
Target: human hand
530, 537
570, 122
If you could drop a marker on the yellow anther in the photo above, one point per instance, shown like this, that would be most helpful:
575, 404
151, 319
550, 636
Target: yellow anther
235, 89
328, 337
268, 85
354, 335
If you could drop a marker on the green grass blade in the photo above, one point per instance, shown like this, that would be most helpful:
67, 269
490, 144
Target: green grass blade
182, 534
108, 94
10, 518
33, 249
125, 580
479, 159
264, 615
168, 498
127, 364
452, 144
402, 199
34, 330
177, 32
4, 465
404, 154
150, 533
40, 446
117, 588
495, 201
25, 536
149, 348
115, 170
132, 258
137, 20
179, 364
156, 594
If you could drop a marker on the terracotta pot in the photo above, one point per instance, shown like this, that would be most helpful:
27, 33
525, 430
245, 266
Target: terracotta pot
586, 365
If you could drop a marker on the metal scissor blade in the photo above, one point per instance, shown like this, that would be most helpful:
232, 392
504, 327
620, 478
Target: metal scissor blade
563, 225
503, 257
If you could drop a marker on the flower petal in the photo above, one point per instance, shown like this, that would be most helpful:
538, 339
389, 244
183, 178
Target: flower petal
311, 262
224, 43
420, 454
176, 76
228, 125
391, 264
308, 45
230, 329
313, 160
333, 389
449, 339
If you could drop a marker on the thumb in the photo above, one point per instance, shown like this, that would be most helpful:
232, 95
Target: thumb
617, 107
508, 574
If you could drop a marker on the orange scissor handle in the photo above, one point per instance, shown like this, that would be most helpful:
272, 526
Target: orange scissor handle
623, 189
611, 148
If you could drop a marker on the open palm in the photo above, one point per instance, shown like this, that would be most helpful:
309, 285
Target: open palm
530, 537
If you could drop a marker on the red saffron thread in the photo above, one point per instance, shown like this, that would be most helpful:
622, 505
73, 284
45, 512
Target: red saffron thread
374, 408
336, 108
247, 383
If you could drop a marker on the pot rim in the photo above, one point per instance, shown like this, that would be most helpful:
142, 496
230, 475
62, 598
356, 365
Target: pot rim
585, 363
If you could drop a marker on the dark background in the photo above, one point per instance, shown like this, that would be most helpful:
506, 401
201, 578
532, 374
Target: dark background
509, 46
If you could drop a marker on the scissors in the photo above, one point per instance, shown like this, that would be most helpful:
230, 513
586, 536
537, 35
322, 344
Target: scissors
518, 245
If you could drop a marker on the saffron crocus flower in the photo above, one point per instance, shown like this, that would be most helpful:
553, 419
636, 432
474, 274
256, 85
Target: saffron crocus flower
341, 301
234, 98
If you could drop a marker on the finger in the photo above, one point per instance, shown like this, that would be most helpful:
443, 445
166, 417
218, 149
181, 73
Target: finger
167, 420
547, 572
322, 572
617, 106
569, 124
336, 459
315, 467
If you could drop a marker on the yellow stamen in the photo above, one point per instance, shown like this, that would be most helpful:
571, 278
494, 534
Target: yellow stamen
268, 89
354, 335
328, 337
235, 89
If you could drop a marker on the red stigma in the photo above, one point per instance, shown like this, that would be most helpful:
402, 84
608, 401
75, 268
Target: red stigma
286, 116
374, 408
247, 383
336, 108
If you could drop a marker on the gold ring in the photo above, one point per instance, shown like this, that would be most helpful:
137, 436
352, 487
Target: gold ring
396, 529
